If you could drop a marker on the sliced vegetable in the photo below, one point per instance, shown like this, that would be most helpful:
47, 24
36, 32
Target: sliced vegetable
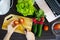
57, 26
46, 27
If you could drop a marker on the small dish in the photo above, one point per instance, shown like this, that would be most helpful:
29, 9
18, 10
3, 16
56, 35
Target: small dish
56, 32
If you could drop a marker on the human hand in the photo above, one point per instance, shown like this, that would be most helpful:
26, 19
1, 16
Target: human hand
10, 30
29, 35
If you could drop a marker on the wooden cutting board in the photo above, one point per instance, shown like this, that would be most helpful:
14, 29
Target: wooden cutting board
19, 29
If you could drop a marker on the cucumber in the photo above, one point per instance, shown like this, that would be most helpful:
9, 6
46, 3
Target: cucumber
39, 30
34, 28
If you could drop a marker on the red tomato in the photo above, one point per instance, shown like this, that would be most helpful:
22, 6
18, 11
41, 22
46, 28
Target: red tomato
57, 27
21, 20
16, 22
46, 27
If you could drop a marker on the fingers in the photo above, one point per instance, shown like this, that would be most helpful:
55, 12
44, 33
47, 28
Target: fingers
11, 23
26, 30
10, 27
30, 36
15, 27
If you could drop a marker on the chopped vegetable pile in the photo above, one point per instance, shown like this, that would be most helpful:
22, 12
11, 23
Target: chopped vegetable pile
25, 7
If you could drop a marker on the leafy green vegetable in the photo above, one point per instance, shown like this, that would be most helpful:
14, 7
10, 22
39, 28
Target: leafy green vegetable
39, 14
25, 7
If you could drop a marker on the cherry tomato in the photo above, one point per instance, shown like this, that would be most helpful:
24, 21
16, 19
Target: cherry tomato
57, 27
16, 22
21, 20
46, 27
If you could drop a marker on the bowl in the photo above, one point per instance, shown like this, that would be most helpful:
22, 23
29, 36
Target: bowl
56, 32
